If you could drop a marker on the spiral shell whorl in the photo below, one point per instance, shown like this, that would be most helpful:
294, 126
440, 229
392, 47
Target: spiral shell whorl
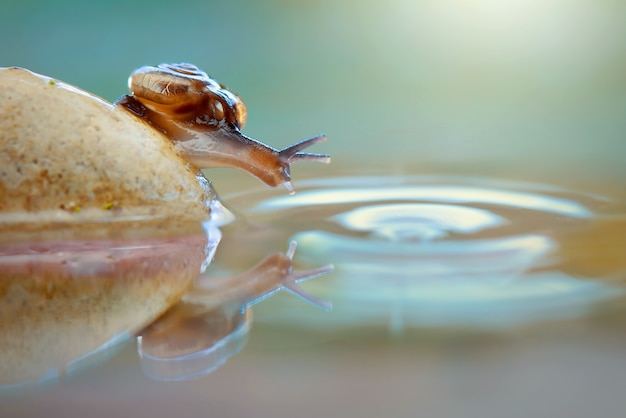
184, 85
183, 68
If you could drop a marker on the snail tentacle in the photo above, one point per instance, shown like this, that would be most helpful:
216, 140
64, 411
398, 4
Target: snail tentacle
308, 156
292, 153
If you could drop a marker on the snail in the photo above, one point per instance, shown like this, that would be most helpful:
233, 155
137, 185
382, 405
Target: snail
69, 157
204, 120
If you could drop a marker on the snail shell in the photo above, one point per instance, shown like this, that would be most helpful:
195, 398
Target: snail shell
184, 92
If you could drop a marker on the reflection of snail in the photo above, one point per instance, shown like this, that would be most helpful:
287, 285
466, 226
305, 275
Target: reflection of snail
211, 323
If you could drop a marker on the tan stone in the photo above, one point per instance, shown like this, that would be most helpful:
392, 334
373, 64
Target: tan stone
68, 156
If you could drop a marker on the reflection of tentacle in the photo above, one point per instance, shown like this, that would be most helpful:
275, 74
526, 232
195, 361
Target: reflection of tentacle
273, 274
301, 276
290, 282
282, 265
291, 251
290, 286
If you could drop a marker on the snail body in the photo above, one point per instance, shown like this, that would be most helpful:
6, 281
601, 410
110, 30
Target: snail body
204, 120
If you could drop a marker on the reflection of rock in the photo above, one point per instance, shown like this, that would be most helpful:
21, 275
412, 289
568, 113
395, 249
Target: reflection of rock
60, 300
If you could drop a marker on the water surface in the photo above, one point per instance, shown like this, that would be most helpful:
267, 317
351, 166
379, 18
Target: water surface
445, 250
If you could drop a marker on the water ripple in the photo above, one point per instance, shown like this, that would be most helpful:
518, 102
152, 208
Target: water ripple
440, 250
439, 193
410, 222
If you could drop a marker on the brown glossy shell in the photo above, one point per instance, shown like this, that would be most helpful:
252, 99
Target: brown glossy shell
183, 90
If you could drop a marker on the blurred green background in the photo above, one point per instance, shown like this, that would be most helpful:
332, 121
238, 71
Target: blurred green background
512, 89
516, 89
